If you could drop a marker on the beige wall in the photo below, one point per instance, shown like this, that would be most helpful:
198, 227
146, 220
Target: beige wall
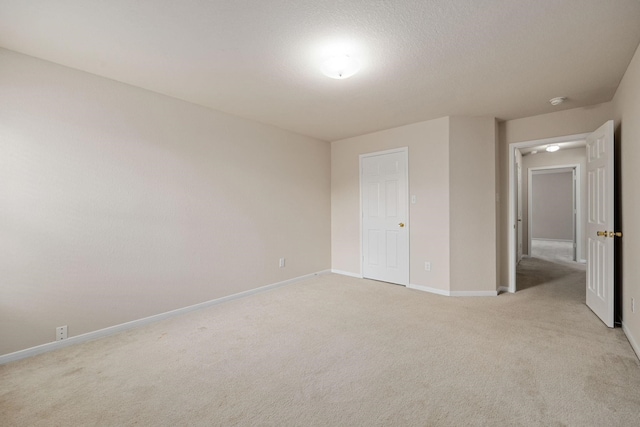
472, 203
428, 181
543, 159
626, 107
117, 203
552, 206
567, 122
451, 164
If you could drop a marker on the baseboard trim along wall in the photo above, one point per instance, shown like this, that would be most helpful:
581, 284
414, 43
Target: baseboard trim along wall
454, 293
474, 293
433, 290
502, 289
428, 289
632, 341
346, 273
101, 333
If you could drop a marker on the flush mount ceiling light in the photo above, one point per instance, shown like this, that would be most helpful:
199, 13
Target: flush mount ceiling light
340, 67
558, 100
552, 148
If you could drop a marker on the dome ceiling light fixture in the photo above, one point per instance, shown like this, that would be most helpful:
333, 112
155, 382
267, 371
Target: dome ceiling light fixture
552, 148
557, 100
340, 67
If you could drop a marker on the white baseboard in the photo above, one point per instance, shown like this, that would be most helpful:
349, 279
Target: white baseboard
454, 293
503, 289
474, 293
346, 273
101, 333
428, 289
632, 340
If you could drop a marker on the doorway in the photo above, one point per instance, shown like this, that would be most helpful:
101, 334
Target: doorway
515, 150
554, 218
600, 213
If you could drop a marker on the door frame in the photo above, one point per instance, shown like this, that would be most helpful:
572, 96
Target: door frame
512, 225
404, 150
577, 203
518, 200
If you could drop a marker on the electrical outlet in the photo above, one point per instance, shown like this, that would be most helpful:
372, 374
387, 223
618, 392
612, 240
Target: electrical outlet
282, 261
427, 266
61, 333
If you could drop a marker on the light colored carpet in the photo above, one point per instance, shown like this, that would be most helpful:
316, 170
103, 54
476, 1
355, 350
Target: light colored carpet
338, 351
552, 250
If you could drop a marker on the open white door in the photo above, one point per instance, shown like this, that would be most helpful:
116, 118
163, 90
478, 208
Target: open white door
600, 223
385, 230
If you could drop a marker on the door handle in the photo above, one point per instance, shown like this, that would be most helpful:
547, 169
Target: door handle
401, 224
609, 233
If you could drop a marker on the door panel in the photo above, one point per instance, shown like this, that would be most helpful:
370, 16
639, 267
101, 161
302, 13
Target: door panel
374, 247
392, 198
392, 249
600, 256
385, 235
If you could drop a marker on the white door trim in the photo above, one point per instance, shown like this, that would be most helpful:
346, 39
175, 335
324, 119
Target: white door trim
404, 150
578, 205
518, 183
512, 194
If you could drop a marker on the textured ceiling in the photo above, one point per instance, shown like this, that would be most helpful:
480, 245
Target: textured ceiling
421, 59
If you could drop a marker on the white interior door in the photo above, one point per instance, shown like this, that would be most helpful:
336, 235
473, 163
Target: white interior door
600, 222
385, 225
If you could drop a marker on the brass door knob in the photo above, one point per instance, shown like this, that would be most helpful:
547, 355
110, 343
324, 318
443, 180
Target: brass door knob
401, 224
609, 233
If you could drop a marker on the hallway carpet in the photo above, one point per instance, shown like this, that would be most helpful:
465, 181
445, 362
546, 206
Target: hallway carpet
556, 251
339, 351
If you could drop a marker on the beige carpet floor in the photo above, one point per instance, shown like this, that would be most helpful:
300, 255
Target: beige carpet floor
552, 250
339, 351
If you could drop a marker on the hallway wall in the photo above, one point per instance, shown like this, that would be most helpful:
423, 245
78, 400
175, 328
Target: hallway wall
561, 157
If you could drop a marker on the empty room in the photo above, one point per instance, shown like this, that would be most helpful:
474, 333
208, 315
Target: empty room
319, 213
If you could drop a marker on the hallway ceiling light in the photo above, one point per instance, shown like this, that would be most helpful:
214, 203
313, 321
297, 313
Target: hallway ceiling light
558, 100
340, 67
552, 148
